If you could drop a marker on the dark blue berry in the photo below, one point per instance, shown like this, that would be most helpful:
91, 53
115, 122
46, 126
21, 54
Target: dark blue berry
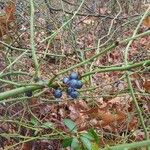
58, 93
65, 80
74, 94
79, 84
29, 93
69, 90
73, 75
73, 83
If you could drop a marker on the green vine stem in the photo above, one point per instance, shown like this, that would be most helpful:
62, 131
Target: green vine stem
120, 68
14, 73
137, 107
20, 90
37, 72
129, 145
129, 80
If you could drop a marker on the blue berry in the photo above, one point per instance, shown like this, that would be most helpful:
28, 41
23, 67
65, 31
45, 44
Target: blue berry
79, 84
58, 93
73, 83
65, 80
69, 90
74, 94
73, 75
29, 94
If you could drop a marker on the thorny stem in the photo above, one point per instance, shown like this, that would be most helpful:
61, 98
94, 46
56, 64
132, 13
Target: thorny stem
137, 106
133, 145
129, 80
14, 73
37, 71
120, 68
20, 90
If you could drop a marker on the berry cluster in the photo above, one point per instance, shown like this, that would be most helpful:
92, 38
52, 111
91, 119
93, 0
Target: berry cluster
73, 83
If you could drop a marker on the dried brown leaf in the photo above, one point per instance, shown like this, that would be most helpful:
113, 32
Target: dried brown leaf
146, 22
146, 85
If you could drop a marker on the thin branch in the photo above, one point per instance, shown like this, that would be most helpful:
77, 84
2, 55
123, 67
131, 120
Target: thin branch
37, 71
90, 14
55, 33
121, 68
128, 76
29, 50
14, 73
129, 145
20, 90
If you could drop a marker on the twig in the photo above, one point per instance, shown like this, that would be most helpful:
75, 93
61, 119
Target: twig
20, 90
13, 62
121, 68
129, 80
90, 14
55, 33
37, 71
14, 73
29, 50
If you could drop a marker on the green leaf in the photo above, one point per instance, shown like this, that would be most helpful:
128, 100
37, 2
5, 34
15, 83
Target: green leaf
86, 142
47, 125
67, 142
88, 136
34, 121
75, 143
95, 146
71, 125
94, 135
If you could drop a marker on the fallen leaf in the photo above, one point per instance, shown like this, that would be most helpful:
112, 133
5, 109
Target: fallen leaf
146, 22
7, 18
146, 85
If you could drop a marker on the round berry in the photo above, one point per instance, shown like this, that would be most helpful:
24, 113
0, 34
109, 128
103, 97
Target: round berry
73, 75
74, 94
65, 80
79, 84
58, 93
73, 83
29, 93
69, 90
